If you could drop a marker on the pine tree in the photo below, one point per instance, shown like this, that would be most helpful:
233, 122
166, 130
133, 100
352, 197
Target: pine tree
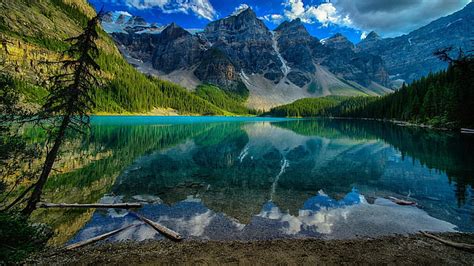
70, 100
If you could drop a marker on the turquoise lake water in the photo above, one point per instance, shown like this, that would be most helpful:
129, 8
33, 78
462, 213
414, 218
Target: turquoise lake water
261, 178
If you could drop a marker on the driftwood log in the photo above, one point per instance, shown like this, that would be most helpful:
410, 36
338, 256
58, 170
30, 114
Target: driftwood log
94, 205
98, 238
402, 202
160, 228
467, 131
464, 246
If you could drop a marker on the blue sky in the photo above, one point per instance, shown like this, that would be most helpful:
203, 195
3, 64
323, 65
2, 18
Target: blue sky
323, 18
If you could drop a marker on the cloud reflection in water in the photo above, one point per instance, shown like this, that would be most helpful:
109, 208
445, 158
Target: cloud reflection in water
320, 216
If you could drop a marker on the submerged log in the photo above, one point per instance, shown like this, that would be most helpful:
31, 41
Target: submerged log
463, 246
94, 205
402, 202
161, 228
98, 238
467, 131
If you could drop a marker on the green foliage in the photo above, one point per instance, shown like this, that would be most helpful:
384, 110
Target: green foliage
228, 101
126, 90
131, 91
19, 238
46, 42
32, 93
350, 105
241, 92
71, 11
308, 107
443, 100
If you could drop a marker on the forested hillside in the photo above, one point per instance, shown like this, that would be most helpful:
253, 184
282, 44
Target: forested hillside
33, 32
444, 99
308, 107
232, 102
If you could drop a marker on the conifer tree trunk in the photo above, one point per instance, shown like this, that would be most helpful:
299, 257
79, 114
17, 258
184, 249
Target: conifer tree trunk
47, 167
69, 99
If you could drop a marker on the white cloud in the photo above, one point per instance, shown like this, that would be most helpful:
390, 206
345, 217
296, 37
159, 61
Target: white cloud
239, 9
295, 9
387, 17
125, 13
324, 13
333, 222
201, 8
392, 18
273, 18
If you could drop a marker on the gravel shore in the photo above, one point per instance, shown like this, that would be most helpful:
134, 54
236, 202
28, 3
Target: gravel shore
414, 249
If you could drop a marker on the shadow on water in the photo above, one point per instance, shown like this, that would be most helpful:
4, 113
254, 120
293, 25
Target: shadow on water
256, 179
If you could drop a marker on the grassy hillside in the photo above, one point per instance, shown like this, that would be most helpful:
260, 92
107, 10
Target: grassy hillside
32, 31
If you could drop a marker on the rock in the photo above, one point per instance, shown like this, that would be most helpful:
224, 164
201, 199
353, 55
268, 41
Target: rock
216, 68
339, 42
241, 46
298, 78
246, 41
176, 48
304, 52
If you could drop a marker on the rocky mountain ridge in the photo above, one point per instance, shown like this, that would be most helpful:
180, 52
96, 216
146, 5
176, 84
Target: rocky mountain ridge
410, 57
240, 54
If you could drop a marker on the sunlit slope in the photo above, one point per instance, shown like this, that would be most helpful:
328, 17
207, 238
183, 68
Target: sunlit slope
34, 32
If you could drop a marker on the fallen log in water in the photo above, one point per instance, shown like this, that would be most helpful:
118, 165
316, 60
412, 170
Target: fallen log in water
160, 228
402, 202
463, 246
94, 205
98, 238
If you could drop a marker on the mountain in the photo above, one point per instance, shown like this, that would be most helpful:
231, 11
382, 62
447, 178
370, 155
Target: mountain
331, 67
339, 42
410, 57
32, 32
125, 22
241, 55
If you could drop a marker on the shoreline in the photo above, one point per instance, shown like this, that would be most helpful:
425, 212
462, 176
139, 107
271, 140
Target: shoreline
397, 249
399, 123
396, 122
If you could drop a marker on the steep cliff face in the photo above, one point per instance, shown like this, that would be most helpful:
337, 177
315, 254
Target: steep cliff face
305, 54
410, 56
297, 46
247, 42
362, 67
176, 48
216, 68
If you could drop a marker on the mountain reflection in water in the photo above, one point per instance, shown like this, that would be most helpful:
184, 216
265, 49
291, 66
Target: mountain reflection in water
256, 179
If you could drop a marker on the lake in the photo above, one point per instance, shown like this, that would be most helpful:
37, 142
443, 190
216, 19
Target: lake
261, 178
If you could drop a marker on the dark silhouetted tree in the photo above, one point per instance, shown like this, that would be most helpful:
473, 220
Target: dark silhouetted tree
70, 100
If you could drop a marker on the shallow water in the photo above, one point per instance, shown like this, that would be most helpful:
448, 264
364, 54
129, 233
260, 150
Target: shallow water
245, 178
